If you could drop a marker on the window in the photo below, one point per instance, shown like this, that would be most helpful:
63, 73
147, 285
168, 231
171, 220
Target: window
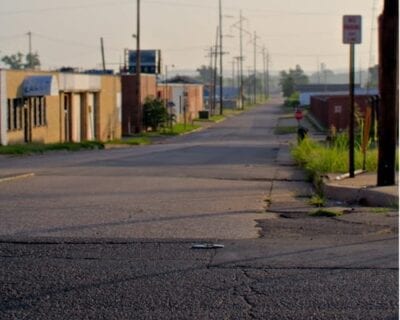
14, 118
38, 105
15, 108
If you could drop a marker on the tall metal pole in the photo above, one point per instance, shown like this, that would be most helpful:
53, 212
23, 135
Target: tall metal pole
139, 113
221, 80
351, 127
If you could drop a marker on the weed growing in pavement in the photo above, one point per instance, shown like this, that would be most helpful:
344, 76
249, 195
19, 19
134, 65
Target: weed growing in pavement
325, 213
136, 141
317, 200
286, 130
381, 210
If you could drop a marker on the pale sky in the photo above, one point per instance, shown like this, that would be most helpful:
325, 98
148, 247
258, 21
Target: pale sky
304, 32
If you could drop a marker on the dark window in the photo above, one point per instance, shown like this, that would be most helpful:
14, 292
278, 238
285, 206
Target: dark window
14, 117
38, 105
9, 114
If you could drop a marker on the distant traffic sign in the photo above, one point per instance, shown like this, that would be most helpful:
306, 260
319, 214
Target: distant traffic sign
298, 115
352, 29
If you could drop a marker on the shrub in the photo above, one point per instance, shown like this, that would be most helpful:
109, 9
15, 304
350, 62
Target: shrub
154, 113
318, 158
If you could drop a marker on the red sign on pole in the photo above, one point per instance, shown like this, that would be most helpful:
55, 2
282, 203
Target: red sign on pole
298, 115
352, 29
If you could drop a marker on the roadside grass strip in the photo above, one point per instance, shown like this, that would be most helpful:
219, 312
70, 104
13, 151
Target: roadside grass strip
31, 148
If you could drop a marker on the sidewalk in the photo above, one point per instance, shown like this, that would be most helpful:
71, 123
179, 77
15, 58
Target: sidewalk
361, 189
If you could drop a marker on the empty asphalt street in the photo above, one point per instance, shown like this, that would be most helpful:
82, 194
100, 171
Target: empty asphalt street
110, 234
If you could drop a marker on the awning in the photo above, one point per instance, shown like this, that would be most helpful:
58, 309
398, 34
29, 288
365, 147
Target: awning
34, 86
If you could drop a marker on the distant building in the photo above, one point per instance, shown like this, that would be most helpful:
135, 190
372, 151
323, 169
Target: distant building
308, 90
184, 97
335, 110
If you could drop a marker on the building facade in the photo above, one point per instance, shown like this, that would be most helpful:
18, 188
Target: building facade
52, 107
335, 110
131, 112
184, 98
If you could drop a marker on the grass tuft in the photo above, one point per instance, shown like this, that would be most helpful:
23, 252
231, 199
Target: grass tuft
317, 200
286, 130
325, 213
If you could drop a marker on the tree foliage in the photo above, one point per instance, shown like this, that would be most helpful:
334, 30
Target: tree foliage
288, 80
205, 73
21, 61
154, 113
373, 79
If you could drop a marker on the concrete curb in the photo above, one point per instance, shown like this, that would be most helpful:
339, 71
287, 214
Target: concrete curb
16, 177
369, 196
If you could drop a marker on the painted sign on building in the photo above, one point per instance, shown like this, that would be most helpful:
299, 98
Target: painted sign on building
35, 86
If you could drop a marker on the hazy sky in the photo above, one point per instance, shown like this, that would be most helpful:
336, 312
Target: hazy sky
305, 32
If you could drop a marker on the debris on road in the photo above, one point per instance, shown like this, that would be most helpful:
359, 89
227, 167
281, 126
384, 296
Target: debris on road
207, 246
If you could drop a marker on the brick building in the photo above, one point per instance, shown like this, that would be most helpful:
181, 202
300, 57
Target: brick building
335, 110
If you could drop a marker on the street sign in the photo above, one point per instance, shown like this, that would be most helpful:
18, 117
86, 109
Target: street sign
298, 115
352, 29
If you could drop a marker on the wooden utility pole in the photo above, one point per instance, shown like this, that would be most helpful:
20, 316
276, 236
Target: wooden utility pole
264, 74
221, 75
241, 61
389, 86
215, 73
139, 113
268, 79
255, 69
29, 34
102, 54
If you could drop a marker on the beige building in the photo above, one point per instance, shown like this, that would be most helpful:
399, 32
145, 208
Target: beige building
49, 107
184, 96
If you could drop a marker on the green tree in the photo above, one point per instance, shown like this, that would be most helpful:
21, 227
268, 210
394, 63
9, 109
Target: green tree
373, 79
154, 113
21, 61
289, 80
14, 61
205, 73
32, 61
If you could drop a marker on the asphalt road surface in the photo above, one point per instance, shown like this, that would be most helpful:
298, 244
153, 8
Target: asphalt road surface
108, 234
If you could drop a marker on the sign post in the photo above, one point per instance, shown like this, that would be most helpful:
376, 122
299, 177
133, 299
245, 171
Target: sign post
352, 36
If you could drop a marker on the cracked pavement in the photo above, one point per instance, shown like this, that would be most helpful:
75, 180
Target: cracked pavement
109, 234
